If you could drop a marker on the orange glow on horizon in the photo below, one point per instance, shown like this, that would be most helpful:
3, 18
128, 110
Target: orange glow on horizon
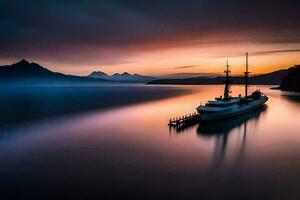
197, 58
205, 60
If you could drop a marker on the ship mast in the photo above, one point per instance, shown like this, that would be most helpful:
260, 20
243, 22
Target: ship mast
246, 76
227, 82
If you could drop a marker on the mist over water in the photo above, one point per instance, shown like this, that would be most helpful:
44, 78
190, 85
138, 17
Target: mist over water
129, 151
21, 103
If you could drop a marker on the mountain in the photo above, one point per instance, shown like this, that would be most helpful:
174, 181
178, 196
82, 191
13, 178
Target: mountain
124, 77
291, 81
128, 77
26, 72
98, 74
25, 69
273, 78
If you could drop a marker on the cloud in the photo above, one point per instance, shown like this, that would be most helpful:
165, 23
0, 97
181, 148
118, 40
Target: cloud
276, 51
105, 32
185, 67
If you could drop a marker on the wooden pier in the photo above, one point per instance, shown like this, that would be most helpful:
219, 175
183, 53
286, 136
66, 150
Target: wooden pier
184, 120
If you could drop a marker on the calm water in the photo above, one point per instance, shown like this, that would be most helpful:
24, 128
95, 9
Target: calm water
129, 151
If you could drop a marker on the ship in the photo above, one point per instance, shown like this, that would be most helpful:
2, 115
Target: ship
228, 106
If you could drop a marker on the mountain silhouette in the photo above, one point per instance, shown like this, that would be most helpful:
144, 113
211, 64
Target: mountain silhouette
291, 81
273, 78
98, 74
123, 77
24, 71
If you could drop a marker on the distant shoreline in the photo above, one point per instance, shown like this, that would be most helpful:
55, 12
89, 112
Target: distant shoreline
176, 84
287, 92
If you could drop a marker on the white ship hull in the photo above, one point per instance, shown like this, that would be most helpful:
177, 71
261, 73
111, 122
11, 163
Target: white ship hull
241, 109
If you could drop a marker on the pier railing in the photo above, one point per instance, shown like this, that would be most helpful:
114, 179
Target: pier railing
185, 120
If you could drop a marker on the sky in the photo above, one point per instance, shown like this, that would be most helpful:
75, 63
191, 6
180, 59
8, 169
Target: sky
154, 37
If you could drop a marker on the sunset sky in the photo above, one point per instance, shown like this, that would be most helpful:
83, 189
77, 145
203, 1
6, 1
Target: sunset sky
154, 37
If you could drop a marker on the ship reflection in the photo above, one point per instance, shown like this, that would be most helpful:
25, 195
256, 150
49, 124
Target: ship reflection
221, 130
292, 97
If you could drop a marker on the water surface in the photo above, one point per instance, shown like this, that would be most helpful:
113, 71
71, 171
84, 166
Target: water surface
129, 151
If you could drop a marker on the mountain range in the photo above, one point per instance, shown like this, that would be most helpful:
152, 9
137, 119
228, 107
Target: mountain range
124, 77
26, 72
273, 78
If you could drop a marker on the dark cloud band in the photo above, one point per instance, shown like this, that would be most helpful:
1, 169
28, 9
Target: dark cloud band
66, 30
